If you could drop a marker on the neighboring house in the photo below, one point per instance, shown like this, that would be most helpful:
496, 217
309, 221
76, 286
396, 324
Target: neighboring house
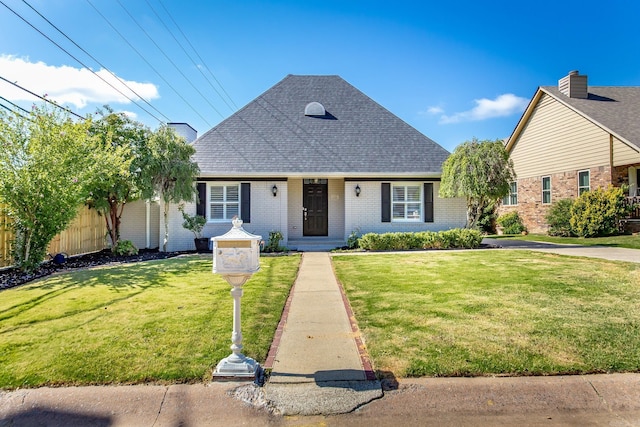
316, 159
570, 139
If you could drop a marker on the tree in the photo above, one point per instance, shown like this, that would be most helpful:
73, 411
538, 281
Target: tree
126, 142
479, 171
46, 160
169, 171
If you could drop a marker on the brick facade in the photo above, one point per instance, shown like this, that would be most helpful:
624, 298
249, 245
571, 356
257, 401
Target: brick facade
564, 185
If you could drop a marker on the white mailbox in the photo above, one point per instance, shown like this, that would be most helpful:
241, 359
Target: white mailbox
236, 251
236, 256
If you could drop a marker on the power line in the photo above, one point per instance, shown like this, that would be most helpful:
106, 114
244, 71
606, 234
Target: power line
15, 105
197, 54
99, 63
190, 58
76, 59
169, 59
12, 111
41, 97
147, 62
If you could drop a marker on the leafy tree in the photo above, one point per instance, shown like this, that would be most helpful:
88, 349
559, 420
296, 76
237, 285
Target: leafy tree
169, 171
46, 160
126, 142
479, 171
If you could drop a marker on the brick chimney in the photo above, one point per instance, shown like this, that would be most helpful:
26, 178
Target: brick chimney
574, 85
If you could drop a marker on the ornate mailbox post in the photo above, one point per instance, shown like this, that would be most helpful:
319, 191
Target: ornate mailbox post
236, 256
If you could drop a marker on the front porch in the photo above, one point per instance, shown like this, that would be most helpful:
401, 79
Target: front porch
314, 244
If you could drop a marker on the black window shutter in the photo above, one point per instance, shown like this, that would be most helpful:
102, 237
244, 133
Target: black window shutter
245, 202
386, 202
201, 207
428, 202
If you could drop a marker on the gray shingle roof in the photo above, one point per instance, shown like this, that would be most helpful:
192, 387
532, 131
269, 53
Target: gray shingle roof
617, 108
271, 136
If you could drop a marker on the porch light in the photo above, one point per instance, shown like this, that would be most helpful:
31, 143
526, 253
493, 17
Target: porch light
274, 190
358, 190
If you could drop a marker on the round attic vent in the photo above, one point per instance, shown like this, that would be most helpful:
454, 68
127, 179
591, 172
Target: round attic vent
314, 109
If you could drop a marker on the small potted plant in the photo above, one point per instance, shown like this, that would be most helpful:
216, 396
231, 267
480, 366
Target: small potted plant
195, 224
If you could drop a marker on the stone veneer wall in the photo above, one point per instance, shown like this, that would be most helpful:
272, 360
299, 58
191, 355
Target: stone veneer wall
564, 185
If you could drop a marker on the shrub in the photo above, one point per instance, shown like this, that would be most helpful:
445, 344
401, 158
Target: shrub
125, 248
273, 245
449, 239
596, 213
511, 223
353, 239
559, 218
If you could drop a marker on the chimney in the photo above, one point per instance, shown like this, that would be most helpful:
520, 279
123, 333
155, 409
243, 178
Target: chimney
185, 131
574, 85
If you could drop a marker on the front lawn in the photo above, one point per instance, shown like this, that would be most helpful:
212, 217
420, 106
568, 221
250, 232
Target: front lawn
157, 321
623, 241
489, 312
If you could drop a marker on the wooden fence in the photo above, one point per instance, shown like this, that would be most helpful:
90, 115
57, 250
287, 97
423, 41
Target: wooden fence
87, 233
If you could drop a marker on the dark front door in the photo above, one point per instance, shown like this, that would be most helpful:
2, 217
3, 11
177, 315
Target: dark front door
315, 208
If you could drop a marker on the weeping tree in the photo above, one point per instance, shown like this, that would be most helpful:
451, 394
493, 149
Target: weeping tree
126, 142
479, 171
46, 162
169, 172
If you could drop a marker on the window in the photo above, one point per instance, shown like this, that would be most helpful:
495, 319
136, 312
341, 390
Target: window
583, 182
406, 204
512, 198
224, 202
546, 190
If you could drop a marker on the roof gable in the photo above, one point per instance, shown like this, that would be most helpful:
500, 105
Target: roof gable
355, 137
615, 109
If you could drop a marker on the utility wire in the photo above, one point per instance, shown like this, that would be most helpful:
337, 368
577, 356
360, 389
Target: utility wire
190, 58
147, 62
197, 54
15, 105
41, 97
12, 111
80, 62
169, 59
99, 63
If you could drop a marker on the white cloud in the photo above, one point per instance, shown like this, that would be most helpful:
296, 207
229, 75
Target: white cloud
67, 85
433, 111
504, 105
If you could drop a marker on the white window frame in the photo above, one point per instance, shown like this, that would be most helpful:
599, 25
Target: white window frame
420, 202
226, 216
582, 189
508, 200
546, 190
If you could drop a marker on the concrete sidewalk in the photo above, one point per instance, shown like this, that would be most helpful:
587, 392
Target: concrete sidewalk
318, 362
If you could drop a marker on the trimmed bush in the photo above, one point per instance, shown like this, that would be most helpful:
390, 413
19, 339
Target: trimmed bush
125, 248
596, 213
449, 239
511, 223
559, 218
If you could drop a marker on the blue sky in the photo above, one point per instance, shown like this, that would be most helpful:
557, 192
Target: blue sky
453, 70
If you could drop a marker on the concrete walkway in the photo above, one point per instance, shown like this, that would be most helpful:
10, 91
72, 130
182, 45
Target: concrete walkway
318, 362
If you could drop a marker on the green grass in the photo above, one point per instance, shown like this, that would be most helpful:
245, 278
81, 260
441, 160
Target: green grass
623, 241
161, 321
494, 312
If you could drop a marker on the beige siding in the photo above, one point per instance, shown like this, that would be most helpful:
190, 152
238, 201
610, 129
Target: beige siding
623, 154
557, 139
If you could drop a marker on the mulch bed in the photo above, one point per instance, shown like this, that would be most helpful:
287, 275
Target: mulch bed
10, 277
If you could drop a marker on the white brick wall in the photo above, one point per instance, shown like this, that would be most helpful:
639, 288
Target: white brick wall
364, 212
268, 213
